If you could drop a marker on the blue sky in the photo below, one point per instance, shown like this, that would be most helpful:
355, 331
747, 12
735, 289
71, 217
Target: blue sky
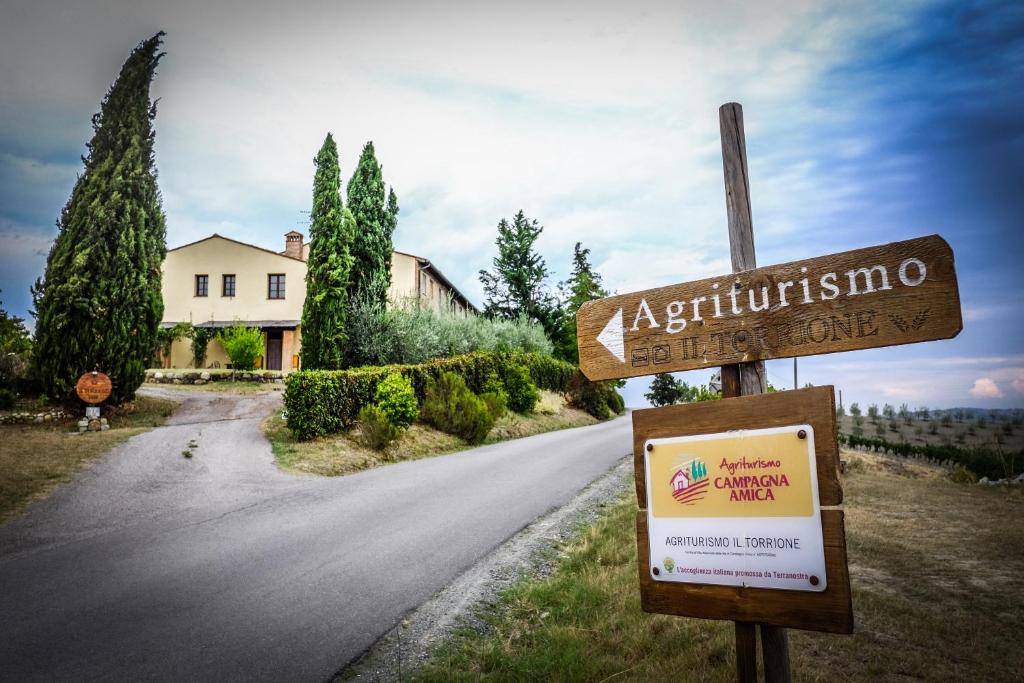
866, 123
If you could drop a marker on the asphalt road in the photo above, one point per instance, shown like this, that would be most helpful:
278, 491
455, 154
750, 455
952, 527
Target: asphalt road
151, 566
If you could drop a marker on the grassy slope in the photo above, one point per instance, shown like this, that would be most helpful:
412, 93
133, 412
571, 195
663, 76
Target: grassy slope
35, 459
340, 454
934, 567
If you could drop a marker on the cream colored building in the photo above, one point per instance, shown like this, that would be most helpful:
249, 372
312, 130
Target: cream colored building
218, 282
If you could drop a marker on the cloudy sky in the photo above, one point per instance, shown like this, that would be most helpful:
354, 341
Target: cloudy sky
867, 122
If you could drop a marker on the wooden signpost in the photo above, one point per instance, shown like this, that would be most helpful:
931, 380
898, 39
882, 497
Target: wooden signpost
739, 513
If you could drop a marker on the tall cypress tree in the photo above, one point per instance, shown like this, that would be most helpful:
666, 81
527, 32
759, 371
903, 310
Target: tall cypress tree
330, 262
99, 304
583, 285
376, 217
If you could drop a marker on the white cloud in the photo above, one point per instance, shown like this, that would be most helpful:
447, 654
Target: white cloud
984, 387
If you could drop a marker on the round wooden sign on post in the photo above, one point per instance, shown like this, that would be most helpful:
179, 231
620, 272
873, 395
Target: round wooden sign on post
93, 387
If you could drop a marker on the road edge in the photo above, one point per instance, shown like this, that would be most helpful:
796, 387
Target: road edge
527, 554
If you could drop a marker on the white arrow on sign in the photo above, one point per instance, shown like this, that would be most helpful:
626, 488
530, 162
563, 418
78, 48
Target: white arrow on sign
611, 337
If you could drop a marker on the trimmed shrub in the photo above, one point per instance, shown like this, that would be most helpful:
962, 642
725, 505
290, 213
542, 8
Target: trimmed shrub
319, 402
451, 407
495, 396
396, 397
616, 403
522, 392
376, 428
596, 398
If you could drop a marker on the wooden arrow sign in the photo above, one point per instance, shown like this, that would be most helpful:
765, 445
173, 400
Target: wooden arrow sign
898, 293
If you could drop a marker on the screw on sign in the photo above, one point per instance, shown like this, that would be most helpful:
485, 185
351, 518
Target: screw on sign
93, 387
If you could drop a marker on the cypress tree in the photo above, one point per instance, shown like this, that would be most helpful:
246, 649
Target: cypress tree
330, 261
583, 285
99, 304
376, 217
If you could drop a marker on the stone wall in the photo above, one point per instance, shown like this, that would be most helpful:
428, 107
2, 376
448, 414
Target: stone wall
204, 377
26, 417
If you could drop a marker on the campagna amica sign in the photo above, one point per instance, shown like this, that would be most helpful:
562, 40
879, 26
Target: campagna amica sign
738, 508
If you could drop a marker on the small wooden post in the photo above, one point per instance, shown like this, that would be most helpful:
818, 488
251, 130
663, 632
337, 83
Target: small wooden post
744, 379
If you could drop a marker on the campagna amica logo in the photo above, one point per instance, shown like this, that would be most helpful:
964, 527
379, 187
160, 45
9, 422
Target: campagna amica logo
690, 482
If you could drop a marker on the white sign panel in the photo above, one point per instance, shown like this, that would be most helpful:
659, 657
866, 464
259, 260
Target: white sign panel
738, 508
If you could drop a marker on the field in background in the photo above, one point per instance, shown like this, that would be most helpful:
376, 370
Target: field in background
978, 429
339, 454
934, 567
35, 459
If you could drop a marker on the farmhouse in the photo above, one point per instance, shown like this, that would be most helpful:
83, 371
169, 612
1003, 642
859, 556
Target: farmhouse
680, 481
217, 282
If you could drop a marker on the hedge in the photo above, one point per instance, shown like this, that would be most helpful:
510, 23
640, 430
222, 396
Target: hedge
984, 462
319, 402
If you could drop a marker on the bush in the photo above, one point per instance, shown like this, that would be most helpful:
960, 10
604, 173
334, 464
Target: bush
495, 396
7, 398
451, 407
616, 403
376, 428
406, 332
396, 397
243, 346
322, 402
599, 399
522, 392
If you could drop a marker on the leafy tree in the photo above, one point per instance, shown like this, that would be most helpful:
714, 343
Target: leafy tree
376, 216
243, 345
873, 412
665, 390
14, 338
583, 285
855, 409
332, 229
516, 285
99, 304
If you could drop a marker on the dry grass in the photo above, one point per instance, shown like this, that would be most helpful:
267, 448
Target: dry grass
934, 567
35, 459
340, 454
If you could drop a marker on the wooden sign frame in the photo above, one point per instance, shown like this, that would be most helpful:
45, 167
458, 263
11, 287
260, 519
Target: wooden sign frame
899, 293
830, 610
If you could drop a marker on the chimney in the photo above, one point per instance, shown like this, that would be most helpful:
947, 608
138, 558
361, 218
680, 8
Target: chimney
293, 244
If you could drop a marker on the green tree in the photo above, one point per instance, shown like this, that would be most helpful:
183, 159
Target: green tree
99, 304
516, 286
376, 216
243, 345
332, 229
665, 390
583, 285
14, 338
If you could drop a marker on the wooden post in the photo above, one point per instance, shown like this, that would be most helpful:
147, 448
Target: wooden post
744, 379
746, 652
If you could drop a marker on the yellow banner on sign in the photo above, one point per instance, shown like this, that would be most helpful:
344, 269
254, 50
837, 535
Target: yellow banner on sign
764, 475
